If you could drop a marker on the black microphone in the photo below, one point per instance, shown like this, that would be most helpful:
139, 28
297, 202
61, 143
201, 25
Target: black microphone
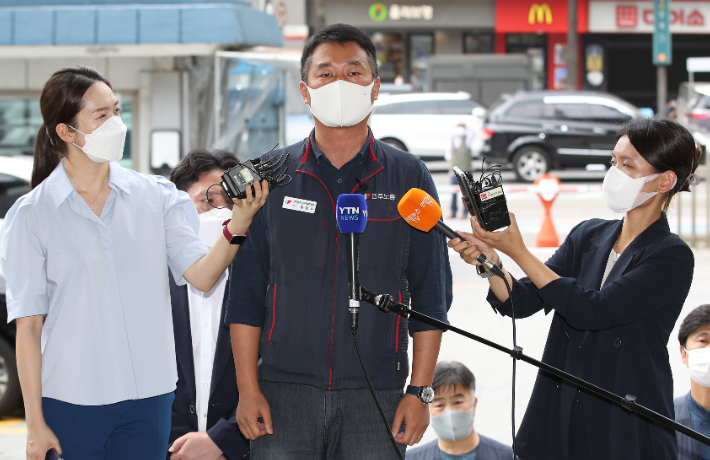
351, 214
422, 212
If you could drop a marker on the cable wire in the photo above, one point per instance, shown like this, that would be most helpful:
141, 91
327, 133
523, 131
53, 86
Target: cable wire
374, 395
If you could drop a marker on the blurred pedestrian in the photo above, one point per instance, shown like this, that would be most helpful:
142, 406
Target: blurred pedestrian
693, 409
458, 153
617, 288
86, 256
204, 424
452, 413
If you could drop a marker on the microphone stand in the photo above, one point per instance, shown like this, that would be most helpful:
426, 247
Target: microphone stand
386, 304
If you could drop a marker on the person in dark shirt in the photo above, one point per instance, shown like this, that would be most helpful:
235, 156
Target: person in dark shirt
693, 409
452, 413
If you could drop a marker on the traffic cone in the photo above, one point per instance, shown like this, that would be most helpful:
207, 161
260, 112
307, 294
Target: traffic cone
547, 237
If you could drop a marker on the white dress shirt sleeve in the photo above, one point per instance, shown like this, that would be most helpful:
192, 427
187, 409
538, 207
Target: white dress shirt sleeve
184, 248
21, 249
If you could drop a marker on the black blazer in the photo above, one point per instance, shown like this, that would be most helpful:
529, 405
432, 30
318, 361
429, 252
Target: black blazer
221, 415
615, 337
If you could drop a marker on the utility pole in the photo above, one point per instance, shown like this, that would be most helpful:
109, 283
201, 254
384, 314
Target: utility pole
572, 46
662, 52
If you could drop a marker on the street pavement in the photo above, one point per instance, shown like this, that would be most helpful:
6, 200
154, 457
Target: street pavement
470, 311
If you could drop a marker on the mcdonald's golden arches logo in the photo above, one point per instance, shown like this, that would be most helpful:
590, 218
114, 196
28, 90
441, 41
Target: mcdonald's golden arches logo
540, 12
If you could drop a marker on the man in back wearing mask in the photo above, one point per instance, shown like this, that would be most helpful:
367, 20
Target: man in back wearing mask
203, 420
288, 301
452, 414
693, 409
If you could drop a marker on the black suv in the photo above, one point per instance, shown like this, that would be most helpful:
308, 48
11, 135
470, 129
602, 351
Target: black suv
543, 130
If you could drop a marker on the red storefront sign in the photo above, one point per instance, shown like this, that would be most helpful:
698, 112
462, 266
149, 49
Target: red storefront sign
534, 16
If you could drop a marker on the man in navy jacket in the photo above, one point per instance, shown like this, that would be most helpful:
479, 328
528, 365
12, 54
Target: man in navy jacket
288, 302
203, 420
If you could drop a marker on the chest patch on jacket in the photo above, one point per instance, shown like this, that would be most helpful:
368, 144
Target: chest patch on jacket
298, 204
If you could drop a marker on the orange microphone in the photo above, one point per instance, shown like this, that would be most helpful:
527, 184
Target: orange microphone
422, 212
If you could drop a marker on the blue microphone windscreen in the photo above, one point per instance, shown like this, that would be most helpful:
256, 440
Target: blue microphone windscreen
351, 213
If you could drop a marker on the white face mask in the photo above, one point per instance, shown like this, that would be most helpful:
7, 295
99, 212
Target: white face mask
460, 131
699, 365
453, 425
211, 225
622, 193
341, 103
106, 142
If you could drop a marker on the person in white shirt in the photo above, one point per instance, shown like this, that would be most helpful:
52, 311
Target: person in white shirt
203, 420
86, 255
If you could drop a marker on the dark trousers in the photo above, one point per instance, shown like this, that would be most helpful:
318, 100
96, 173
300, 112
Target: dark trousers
136, 430
315, 424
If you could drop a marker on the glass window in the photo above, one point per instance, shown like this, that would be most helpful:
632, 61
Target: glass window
477, 43
600, 112
390, 55
526, 109
567, 111
420, 48
458, 107
20, 120
420, 108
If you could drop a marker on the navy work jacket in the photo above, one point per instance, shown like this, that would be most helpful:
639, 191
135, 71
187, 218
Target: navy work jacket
615, 337
306, 337
221, 415
487, 449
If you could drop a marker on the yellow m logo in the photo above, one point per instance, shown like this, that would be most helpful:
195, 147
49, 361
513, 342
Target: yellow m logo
539, 13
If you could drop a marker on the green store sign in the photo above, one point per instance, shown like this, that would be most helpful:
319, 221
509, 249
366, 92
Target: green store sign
378, 12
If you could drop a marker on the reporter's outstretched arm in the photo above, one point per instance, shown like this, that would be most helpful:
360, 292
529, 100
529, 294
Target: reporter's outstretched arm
40, 438
204, 273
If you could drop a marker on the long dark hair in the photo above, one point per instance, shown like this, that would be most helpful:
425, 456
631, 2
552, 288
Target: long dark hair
61, 101
667, 146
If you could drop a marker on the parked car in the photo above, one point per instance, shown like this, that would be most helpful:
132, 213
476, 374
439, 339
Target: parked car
15, 174
697, 111
537, 131
423, 123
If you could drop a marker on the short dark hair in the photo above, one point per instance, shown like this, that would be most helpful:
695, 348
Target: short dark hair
340, 34
696, 319
198, 162
449, 374
667, 146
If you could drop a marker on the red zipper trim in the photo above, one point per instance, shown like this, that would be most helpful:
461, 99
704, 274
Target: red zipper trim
323, 261
273, 315
335, 272
396, 342
374, 158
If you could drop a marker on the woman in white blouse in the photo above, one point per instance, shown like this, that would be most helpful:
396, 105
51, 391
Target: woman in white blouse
86, 255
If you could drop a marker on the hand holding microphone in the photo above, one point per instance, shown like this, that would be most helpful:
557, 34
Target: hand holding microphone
421, 211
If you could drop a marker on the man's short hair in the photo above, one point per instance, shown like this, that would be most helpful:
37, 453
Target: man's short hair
449, 374
340, 34
198, 162
696, 319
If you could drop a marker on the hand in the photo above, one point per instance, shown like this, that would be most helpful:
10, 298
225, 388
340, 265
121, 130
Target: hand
469, 247
415, 415
250, 409
40, 439
244, 210
194, 446
509, 241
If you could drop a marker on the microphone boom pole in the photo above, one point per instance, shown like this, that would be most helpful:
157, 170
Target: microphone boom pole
386, 303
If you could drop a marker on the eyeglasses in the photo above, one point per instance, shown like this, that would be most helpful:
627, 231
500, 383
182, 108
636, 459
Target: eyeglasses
215, 197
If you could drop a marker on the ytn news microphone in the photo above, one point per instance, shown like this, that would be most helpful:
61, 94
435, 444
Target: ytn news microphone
421, 211
351, 214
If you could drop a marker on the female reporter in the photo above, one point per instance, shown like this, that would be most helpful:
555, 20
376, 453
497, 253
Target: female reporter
617, 288
86, 256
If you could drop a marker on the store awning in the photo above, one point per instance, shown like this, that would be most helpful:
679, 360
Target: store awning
48, 22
